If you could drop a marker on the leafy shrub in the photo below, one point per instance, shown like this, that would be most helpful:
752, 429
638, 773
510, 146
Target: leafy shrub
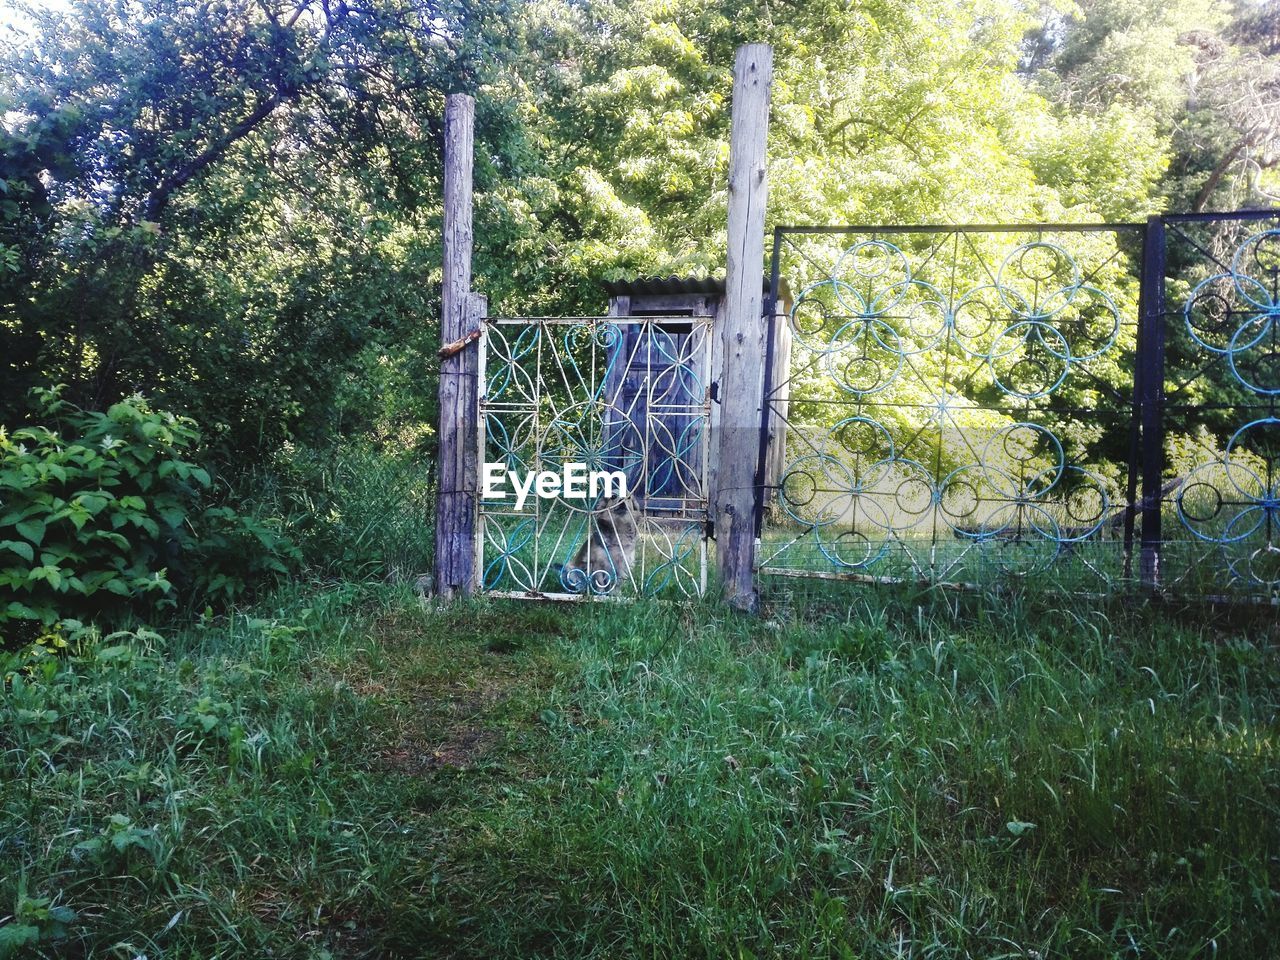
98, 509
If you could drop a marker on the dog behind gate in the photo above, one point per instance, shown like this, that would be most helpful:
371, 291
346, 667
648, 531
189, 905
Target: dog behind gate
606, 558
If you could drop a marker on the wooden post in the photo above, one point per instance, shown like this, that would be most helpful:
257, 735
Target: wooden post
742, 328
459, 315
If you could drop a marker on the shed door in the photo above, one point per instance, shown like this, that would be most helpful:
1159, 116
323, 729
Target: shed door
660, 387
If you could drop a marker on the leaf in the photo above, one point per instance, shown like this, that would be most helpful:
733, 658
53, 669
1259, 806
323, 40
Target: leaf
33, 530
173, 516
93, 502
20, 611
25, 716
16, 935
112, 537
92, 845
13, 516
24, 550
1019, 827
147, 524
112, 654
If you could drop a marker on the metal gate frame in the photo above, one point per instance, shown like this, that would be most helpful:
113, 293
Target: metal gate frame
530, 553
1157, 319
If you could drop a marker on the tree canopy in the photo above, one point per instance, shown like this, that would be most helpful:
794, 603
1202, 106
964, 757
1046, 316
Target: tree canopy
234, 206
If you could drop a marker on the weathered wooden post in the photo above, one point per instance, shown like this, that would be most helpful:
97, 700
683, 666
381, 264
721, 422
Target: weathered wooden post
742, 327
460, 316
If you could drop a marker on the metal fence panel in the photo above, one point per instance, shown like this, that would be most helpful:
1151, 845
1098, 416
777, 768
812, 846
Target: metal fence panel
960, 404
1217, 448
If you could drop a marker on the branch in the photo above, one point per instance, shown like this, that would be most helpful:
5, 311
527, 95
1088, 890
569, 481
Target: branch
1216, 176
160, 196
296, 14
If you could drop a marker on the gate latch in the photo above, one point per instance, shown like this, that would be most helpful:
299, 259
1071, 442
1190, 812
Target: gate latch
450, 349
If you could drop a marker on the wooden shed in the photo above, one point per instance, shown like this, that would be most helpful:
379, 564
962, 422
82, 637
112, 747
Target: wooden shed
672, 298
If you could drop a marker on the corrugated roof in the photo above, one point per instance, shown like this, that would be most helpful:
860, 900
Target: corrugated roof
651, 286
660, 286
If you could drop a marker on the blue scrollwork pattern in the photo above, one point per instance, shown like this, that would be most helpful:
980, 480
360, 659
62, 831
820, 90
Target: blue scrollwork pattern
619, 396
930, 403
1229, 496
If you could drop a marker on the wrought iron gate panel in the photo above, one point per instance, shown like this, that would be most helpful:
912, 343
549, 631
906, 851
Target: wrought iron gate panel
630, 394
1218, 436
960, 401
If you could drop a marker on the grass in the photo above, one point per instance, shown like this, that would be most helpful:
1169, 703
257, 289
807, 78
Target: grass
861, 773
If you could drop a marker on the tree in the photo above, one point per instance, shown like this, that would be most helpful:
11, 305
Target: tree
210, 198
234, 206
1202, 75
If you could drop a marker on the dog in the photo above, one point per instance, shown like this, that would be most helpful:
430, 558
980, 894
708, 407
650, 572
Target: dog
609, 553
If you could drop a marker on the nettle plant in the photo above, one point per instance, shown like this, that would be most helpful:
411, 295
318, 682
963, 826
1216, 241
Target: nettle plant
99, 511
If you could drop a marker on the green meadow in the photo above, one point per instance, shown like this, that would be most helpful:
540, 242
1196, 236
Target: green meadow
351, 772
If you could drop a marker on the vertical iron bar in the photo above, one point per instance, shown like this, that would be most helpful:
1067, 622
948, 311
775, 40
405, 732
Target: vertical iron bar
1135, 430
1151, 360
482, 442
770, 342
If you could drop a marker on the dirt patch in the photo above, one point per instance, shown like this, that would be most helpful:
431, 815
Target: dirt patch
460, 749
451, 697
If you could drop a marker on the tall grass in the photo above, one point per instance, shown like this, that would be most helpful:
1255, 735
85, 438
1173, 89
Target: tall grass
357, 512
905, 779
855, 774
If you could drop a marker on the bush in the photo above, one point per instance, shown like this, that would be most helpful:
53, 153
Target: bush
97, 509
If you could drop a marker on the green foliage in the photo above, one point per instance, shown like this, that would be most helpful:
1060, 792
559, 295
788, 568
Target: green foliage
229, 552
97, 508
273, 228
33, 921
1199, 77
88, 516
882, 113
355, 512
197, 195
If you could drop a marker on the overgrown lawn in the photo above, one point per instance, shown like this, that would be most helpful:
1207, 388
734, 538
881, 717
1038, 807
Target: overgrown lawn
349, 773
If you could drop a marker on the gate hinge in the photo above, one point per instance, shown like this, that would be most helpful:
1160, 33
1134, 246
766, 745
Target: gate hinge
714, 392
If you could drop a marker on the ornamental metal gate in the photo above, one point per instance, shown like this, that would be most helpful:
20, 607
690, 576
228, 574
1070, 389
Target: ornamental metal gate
1092, 403
1212, 442
625, 395
960, 403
